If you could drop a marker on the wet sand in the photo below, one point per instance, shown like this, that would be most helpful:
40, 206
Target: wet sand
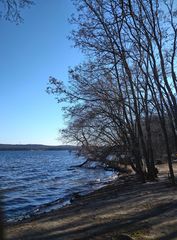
144, 211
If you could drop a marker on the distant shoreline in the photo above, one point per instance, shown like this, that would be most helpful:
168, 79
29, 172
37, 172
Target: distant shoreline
35, 147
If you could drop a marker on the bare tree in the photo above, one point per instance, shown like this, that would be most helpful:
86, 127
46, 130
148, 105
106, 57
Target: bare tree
129, 78
11, 9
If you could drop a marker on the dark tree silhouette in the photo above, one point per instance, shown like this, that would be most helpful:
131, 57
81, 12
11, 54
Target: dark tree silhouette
10, 10
128, 81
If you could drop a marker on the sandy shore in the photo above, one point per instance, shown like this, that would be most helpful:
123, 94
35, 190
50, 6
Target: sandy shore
144, 211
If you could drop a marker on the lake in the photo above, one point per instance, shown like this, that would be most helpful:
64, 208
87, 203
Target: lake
33, 182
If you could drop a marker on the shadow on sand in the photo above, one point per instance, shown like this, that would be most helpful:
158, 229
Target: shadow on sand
128, 208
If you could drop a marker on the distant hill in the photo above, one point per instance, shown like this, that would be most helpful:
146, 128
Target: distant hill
30, 147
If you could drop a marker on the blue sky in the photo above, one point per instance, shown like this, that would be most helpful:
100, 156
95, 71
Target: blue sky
30, 53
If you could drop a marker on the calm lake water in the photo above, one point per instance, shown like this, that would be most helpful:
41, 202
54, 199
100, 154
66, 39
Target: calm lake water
38, 181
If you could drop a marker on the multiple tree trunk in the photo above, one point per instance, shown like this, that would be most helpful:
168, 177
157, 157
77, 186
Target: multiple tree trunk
127, 82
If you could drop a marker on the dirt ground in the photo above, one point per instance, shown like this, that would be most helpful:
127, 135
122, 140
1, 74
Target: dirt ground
143, 211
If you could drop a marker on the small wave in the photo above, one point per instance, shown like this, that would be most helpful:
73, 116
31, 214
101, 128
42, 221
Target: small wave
6, 190
112, 178
15, 202
42, 181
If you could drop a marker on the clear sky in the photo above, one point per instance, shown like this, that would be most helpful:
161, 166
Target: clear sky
30, 53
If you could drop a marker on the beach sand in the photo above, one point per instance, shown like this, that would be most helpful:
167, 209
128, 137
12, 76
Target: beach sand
143, 211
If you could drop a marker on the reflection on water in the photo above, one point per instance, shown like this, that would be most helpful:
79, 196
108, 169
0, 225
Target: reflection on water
34, 181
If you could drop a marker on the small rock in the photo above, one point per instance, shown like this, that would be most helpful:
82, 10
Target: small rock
75, 196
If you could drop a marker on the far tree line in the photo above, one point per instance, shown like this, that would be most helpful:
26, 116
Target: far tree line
123, 97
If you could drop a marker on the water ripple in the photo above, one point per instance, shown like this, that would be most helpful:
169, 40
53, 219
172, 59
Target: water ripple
37, 181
